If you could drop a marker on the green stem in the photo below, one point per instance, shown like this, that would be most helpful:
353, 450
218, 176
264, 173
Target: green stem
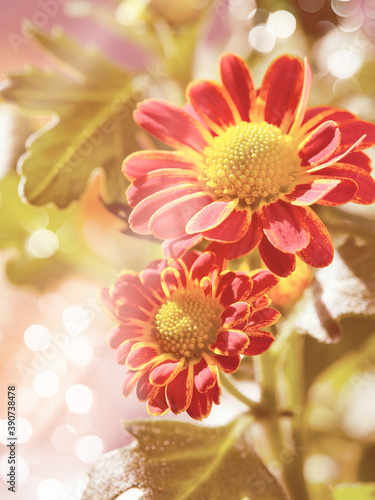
290, 462
255, 407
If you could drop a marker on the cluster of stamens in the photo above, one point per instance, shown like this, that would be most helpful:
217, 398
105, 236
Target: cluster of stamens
252, 161
187, 323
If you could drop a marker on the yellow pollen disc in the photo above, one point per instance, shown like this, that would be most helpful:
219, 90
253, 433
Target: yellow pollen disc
187, 323
254, 162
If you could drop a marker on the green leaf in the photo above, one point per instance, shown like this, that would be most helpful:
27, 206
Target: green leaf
344, 289
355, 491
91, 125
180, 461
56, 247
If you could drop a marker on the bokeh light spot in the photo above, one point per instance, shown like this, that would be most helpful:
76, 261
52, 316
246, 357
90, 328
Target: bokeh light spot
345, 8
43, 243
24, 430
50, 488
281, 24
343, 63
79, 398
311, 6
89, 448
79, 351
37, 337
261, 40
320, 468
46, 384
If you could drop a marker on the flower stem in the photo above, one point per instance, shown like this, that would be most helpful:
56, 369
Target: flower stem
255, 407
286, 452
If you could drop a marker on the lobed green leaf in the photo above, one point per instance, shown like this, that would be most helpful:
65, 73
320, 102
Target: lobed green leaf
181, 461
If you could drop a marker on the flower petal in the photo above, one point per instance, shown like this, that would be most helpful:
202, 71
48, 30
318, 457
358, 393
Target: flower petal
120, 333
307, 81
263, 281
341, 194
365, 182
142, 163
150, 278
158, 181
278, 262
172, 125
233, 228
320, 144
129, 381
203, 266
229, 342
319, 252
140, 216
177, 247
205, 375
237, 290
227, 364
281, 91
243, 246
201, 404
179, 392
144, 387
170, 280
127, 311
141, 355
259, 342
210, 216
123, 351
165, 372
171, 219
360, 160
237, 80
284, 226
235, 314
311, 192
158, 404
263, 318
351, 127
211, 104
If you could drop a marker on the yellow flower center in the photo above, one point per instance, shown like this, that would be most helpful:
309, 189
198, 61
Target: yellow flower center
187, 323
254, 162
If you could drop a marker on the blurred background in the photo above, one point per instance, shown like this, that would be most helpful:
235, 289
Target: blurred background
61, 63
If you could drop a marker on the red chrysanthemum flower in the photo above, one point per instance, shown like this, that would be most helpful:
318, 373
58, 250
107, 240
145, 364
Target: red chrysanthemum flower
248, 164
182, 321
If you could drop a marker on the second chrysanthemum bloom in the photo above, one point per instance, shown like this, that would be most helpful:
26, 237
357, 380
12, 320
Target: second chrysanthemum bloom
181, 322
248, 164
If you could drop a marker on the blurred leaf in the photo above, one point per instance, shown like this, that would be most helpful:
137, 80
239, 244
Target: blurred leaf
15, 127
60, 237
91, 127
355, 491
181, 461
318, 355
345, 288
351, 363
